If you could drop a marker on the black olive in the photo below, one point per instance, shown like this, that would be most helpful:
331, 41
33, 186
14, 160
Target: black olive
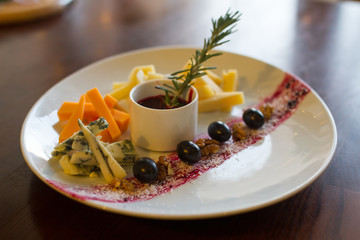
188, 152
253, 118
219, 131
145, 170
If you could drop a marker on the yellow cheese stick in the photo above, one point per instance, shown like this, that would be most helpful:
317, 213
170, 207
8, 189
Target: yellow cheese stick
220, 101
123, 105
213, 76
116, 85
230, 83
205, 91
230, 80
205, 80
137, 75
155, 76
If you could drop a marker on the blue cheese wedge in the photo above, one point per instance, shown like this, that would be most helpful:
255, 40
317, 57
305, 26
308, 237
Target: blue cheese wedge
83, 158
109, 167
77, 141
75, 169
123, 152
77, 157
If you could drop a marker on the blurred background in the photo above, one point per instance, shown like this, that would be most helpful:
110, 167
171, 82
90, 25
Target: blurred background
44, 41
81, 32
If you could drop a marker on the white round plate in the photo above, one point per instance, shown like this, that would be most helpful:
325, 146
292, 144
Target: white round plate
288, 159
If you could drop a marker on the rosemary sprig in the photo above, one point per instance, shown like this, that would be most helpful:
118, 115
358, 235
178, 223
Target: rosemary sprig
181, 80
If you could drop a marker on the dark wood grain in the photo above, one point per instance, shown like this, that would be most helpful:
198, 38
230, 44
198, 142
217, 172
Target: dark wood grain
317, 41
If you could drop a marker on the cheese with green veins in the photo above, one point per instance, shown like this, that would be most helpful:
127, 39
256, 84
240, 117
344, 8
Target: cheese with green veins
76, 141
83, 158
109, 167
80, 143
123, 152
75, 169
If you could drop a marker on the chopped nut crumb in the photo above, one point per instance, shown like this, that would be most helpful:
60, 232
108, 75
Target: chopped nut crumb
208, 146
162, 171
170, 170
210, 149
115, 182
267, 111
122, 184
238, 132
163, 167
162, 160
126, 185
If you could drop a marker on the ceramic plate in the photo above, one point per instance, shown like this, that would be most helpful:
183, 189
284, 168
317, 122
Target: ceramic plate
286, 161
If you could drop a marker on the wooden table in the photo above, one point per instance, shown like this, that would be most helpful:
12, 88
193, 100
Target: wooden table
317, 41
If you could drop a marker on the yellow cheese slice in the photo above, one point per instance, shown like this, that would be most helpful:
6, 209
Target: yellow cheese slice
137, 75
123, 91
230, 83
146, 69
123, 105
230, 80
116, 85
205, 80
205, 91
154, 76
220, 101
213, 76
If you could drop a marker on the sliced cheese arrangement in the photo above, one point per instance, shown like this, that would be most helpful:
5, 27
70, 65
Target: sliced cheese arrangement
215, 93
90, 107
80, 151
89, 141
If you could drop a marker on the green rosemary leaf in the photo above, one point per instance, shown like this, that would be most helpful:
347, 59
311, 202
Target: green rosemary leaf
178, 72
221, 28
200, 74
164, 89
176, 84
173, 77
169, 86
206, 68
167, 99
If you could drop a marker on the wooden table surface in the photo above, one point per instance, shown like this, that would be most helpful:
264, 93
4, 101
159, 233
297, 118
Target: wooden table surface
318, 41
